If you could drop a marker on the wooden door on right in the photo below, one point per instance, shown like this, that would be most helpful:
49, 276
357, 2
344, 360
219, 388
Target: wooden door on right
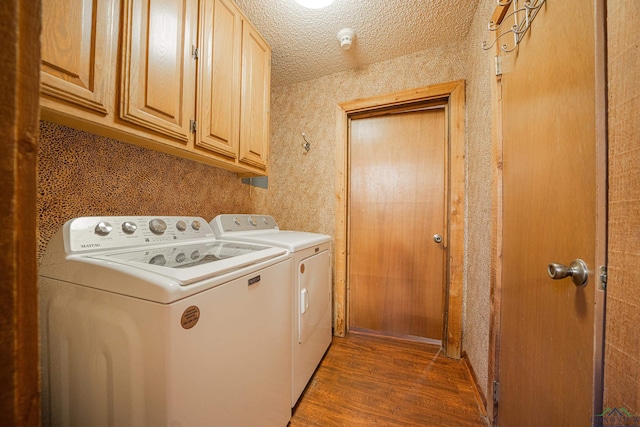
547, 359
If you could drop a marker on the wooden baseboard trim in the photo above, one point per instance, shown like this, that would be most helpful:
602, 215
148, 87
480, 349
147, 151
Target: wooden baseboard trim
482, 399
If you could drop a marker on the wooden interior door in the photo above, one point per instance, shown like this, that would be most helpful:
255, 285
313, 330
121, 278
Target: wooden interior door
550, 185
396, 206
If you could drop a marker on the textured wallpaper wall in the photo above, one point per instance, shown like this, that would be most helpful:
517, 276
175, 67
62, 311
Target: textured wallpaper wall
81, 174
302, 187
478, 215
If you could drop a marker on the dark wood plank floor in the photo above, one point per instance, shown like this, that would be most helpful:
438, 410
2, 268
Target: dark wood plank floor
369, 380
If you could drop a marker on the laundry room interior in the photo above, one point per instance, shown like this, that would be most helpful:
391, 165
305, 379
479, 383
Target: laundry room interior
85, 169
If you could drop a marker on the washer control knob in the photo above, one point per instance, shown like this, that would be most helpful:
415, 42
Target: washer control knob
195, 225
158, 260
236, 221
157, 226
252, 221
103, 228
181, 257
181, 225
265, 221
129, 227
195, 255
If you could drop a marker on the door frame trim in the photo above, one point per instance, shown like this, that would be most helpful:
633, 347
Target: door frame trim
453, 96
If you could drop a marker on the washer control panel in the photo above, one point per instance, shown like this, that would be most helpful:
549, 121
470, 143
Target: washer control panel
227, 223
110, 232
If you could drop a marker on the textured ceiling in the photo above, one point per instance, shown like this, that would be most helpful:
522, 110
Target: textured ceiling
304, 41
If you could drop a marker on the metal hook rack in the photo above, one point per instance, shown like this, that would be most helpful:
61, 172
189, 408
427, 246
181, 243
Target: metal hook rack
522, 16
306, 145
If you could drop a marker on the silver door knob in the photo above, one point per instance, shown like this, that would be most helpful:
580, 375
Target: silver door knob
577, 270
437, 238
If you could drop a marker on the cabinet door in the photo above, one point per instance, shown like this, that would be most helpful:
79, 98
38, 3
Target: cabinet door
219, 78
254, 113
158, 70
78, 42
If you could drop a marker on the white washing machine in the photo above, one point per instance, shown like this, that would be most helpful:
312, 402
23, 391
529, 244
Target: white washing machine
152, 321
311, 272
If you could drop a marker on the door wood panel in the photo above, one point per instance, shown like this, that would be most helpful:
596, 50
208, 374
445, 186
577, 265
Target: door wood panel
78, 45
20, 389
255, 104
220, 78
549, 187
396, 205
158, 74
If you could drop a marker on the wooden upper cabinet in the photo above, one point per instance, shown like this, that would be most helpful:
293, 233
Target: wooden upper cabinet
233, 88
127, 69
79, 39
255, 100
158, 69
219, 78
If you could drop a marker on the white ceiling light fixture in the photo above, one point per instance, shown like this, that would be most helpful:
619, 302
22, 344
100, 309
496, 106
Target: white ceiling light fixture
314, 4
346, 37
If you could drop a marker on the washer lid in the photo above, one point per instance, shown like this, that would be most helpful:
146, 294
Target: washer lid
190, 263
262, 229
292, 240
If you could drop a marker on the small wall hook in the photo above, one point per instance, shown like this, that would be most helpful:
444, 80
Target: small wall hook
306, 145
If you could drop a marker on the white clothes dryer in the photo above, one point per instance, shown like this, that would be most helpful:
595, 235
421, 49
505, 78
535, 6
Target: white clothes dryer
152, 321
312, 284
